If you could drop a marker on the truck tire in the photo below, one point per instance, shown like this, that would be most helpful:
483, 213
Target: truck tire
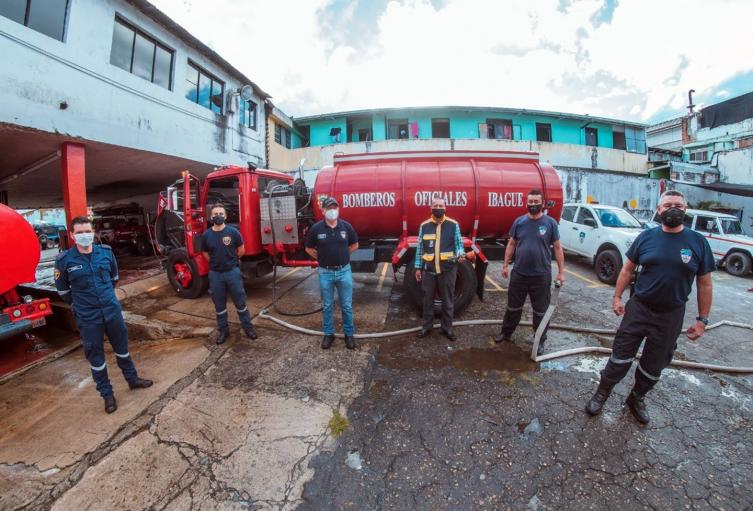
738, 264
465, 288
183, 275
43, 241
608, 265
50, 244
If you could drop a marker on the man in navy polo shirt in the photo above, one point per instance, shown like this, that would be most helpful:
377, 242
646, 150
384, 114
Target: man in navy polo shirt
671, 257
330, 242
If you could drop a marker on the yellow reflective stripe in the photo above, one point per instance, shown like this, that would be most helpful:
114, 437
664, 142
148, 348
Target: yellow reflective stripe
428, 257
437, 244
446, 255
430, 236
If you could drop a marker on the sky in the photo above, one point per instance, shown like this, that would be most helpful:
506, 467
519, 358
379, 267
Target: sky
624, 59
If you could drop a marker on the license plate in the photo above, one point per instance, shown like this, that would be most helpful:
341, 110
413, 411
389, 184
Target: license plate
37, 322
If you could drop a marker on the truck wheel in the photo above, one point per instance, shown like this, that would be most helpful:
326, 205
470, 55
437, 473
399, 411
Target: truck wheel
738, 264
608, 265
183, 275
50, 243
43, 241
465, 287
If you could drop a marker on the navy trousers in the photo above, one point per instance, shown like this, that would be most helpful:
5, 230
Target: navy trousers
93, 336
220, 284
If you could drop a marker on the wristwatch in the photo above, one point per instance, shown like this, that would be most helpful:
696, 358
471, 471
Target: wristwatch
703, 320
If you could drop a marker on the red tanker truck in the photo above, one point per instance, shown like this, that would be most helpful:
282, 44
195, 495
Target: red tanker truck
19, 247
385, 196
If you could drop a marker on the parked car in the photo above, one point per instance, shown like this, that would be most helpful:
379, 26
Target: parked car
48, 234
601, 233
732, 249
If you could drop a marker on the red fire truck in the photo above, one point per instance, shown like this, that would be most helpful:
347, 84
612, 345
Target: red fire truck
385, 196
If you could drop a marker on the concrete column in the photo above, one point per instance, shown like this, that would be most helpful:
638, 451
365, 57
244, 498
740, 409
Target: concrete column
73, 177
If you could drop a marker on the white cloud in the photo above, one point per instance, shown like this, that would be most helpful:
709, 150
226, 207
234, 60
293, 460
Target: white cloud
478, 52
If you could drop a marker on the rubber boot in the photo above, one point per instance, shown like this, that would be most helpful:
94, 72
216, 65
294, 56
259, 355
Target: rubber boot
637, 405
595, 404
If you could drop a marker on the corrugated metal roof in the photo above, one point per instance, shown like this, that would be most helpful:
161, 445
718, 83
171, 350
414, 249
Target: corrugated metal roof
163, 19
514, 111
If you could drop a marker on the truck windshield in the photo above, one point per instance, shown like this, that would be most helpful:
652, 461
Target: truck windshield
731, 226
617, 218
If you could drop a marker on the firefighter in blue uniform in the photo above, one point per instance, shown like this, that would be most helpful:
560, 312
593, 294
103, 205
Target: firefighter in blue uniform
85, 276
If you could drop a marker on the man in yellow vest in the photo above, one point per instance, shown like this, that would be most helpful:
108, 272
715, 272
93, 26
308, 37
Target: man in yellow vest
439, 249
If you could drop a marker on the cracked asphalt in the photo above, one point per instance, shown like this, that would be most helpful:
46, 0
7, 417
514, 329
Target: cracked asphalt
435, 425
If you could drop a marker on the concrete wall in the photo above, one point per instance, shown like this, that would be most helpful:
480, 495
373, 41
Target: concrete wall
736, 166
106, 103
559, 155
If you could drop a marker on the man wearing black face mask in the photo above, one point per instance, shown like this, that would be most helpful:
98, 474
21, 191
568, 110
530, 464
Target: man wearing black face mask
439, 248
671, 257
222, 245
531, 237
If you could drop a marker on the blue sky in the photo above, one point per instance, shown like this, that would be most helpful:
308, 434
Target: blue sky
626, 59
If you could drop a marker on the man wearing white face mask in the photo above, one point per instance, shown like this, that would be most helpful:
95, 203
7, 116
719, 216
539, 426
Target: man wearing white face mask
330, 242
85, 276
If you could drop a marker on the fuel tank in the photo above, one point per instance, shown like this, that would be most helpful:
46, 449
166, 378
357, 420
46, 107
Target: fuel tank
19, 250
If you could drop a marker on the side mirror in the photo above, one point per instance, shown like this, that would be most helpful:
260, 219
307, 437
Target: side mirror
590, 222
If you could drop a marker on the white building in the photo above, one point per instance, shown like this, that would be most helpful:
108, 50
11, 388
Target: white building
144, 97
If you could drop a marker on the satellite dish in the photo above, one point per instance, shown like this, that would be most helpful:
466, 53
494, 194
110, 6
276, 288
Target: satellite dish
246, 92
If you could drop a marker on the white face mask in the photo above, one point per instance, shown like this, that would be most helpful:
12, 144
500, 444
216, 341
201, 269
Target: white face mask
85, 239
332, 214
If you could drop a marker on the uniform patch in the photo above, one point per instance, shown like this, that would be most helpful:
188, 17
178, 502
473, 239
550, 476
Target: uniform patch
343, 234
321, 236
582, 237
686, 255
74, 268
542, 230
56, 273
227, 240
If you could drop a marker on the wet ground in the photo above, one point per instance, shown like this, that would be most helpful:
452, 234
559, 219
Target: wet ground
430, 424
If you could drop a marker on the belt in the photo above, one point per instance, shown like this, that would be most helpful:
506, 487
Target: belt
335, 267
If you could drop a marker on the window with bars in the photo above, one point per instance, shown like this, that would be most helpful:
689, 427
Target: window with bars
248, 114
204, 89
45, 16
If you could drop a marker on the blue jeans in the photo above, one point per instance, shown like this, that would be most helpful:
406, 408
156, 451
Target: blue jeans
342, 280
222, 282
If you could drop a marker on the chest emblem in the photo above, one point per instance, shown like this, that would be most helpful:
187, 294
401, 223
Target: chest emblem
226, 240
542, 230
343, 234
74, 268
686, 255
321, 236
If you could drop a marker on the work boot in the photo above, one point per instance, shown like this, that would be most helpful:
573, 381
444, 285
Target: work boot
540, 349
110, 404
595, 404
222, 336
250, 332
637, 405
350, 342
450, 335
501, 337
423, 333
327, 341
139, 383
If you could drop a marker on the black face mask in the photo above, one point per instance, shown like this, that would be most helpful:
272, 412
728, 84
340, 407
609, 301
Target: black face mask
218, 219
672, 217
534, 209
437, 212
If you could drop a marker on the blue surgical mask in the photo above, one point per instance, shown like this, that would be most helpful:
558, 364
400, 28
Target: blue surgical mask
84, 239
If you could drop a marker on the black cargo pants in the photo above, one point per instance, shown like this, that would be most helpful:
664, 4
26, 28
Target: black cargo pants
446, 283
538, 288
660, 329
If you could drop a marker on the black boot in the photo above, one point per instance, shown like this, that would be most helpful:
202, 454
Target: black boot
327, 341
350, 342
222, 336
450, 335
250, 332
423, 333
637, 405
139, 383
594, 405
501, 337
110, 404
540, 349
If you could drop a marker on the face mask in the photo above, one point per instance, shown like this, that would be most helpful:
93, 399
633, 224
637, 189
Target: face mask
534, 209
672, 217
332, 214
218, 219
437, 212
85, 239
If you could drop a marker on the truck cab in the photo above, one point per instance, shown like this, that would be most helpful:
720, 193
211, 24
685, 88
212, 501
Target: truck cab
732, 249
601, 233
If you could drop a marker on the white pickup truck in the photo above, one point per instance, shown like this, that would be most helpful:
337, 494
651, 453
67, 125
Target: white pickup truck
732, 249
601, 233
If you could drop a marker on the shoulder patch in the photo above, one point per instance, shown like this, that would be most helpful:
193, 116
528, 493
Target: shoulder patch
61, 255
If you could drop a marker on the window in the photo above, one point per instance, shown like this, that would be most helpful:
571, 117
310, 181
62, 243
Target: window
397, 128
225, 191
204, 89
45, 16
592, 137
364, 134
334, 135
440, 128
248, 114
568, 212
618, 137
305, 135
699, 156
137, 53
706, 224
635, 139
499, 128
583, 215
543, 132
282, 136
731, 226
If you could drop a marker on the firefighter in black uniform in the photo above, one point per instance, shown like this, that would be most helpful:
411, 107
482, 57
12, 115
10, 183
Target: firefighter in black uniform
439, 249
671, 257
